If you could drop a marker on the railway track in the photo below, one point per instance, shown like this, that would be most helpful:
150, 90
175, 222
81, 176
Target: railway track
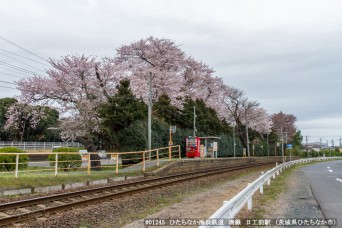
20, 211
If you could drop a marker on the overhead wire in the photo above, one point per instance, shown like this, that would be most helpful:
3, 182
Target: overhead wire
12, 75
18, 68
24, 57
7, 87
7, 82
3, 38
15, 68
22, 62
11, 71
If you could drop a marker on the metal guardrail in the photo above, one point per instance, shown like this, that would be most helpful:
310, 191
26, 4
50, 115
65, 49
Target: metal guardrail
232, 207
38, 145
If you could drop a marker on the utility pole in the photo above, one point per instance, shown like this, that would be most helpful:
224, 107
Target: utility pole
149, 115
307, 148
234, 138
282, 143
268, 147
248, 152
194, 121
340, 141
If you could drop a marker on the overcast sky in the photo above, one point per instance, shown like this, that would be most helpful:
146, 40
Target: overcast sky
286, 54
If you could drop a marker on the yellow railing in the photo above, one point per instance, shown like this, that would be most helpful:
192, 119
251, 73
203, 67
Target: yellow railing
114, 161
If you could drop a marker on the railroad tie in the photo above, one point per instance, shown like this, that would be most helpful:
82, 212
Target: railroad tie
41, 206
24, 210
3, 215
59, 202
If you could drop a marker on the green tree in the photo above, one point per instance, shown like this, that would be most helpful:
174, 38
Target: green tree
41, 132
120, 112
207, 120
163, 110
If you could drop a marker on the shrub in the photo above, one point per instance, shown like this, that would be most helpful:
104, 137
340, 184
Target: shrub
11, 159
66, 161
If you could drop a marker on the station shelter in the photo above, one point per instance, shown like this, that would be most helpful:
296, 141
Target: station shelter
202, 147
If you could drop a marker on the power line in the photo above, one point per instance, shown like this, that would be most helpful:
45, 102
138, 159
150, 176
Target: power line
7, 82
18, 68
22, 48
24, 57
22, 62
7, 87
11, 71
12, 75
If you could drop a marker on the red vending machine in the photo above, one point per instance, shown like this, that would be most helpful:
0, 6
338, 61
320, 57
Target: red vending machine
193, 147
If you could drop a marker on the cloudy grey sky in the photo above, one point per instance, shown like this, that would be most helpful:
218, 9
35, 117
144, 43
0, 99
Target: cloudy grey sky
286, 54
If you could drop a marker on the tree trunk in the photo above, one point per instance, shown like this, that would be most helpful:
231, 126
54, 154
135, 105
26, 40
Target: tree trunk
94, 158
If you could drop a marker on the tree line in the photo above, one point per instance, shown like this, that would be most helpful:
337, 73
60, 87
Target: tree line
103, 101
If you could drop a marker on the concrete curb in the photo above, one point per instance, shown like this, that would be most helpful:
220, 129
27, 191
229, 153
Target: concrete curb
55, 188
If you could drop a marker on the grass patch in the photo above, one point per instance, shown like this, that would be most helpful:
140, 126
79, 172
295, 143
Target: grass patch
38, 178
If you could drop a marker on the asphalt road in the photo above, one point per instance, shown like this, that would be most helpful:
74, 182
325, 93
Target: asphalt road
326, 184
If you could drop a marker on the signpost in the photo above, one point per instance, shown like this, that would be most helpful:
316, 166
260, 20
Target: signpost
289, 146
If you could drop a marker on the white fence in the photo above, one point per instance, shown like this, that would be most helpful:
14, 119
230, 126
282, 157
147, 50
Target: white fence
232, 207
38, 145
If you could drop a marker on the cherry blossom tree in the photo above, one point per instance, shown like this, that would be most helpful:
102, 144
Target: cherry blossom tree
242, 111
21, 117
174, 73
284, 124
76, 85
160, 57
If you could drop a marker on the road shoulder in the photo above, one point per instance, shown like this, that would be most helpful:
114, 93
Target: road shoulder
296, 201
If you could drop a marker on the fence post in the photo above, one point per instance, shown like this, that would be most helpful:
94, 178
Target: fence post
88, 163
44, 145
269, 181
169, 153
179, 151
16, 165
158, 157
117, 164
56, 165
143, 168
